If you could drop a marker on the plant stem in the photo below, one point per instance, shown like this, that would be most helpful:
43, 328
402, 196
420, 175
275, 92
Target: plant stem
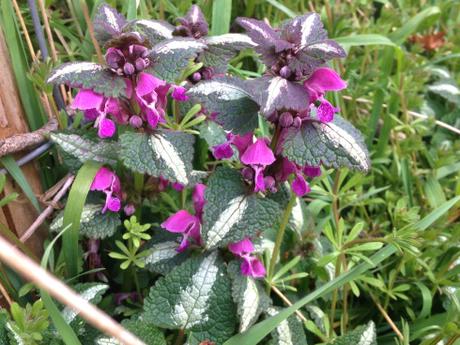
279, 238
180, 337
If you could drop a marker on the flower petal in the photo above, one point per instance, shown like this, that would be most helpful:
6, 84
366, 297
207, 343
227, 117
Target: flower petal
242, 247
179, 93
299, 186
222, 151
147, 83
258, 153
87, 99
198, 199
180, 222
322, 80
103, 179
253, 267
106, 128
326, 111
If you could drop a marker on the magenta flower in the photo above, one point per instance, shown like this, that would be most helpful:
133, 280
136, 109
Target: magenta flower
251, 266
299, 184
179, 93
107, 182
96, 108
312, 171
151, 94
258, 155
322, 80
225, 151
129, 209
185, 223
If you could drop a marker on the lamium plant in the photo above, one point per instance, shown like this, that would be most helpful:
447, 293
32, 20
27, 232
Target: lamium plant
202, 167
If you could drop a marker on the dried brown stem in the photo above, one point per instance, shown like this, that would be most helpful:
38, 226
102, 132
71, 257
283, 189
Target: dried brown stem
5, 294
48, 211
288, 302
84, 7
24, 30
388, 318
46, 281
19, 142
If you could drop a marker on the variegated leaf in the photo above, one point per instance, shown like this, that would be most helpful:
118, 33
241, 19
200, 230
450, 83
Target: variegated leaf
91, 292
170, 57
335, 144
153, 30
195, 296
278, 94
230, 213
89, 75
94, 224
361, 335
248, 295
288, 332
163, 256
221, 49
108, 23
166, 154
230, 101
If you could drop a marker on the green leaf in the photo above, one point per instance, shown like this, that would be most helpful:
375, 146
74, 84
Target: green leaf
230, 214
3, 333
335, 144
433, 216
103, 151
107, 22
89, 75
288, 332
212, 133
221, 15
361, 335
163, 257
145, 331
170, 57
257, 332
153, 30
15, 171
93, 223
195, 296
230, 100
221, 49
72, 215
248, 295
165, 154
364, 40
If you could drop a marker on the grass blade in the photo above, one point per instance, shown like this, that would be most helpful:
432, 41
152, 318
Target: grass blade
262, 329
433, 216
72, 215
411, 26
282, 8
16, 173
364, 40
221, 13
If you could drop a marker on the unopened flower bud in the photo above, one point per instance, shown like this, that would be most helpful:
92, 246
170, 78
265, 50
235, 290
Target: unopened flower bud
128, 68
129, 209
207, 73
286, 119
114, 58
140, 64
196, 76
135, 121
297, 122
285, 72
138, 50
248, 173
270, 183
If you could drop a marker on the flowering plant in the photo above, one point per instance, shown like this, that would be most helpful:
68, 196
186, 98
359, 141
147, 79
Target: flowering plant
153, 115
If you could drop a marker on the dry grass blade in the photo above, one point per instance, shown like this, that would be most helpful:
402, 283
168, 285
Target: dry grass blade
56, 288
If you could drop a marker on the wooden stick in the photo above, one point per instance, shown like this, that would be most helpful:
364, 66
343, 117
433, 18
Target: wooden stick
48, 211
56, 288
19, 142
24, 30
84, 7
289, 303
46, 23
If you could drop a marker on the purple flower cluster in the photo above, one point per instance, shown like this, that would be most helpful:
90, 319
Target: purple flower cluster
107, 182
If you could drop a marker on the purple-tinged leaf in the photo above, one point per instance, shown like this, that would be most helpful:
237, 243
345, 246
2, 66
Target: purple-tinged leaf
279, 94
195, 21
108, 23
169, 58
153, 31
89, 75
334, 144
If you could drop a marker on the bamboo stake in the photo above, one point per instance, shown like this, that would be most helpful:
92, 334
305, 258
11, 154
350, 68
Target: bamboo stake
24, 30
56, 288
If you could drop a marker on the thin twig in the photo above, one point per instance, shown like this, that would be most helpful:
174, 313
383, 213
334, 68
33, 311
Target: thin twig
56, 288
48, 30
48, 211
288, 302
24, 30
388, 318
19, 142
409, 112
91, 31
5, 294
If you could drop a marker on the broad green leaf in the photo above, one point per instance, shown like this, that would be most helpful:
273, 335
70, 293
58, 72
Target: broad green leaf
335, 144
170, 57
196, 297
212, 133
221, 49
248, 295
165, 154
364, 40
153, 30
163, 257
230, 214
231, 102
221, 15
288, 332
89, 75
103, 151
93, 223
362, 335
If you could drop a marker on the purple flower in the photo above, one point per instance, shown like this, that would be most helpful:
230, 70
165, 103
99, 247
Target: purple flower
129, 209
96, 107
198, 199
258, 155
251, 266
186, 224
312, 171
193, 24
151, 94
129, 60
322, 80
107, 182
222, 151
299, 184
179, 93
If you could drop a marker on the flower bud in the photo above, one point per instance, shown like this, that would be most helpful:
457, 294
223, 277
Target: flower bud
207, 73
140, 64
114, 58
129, 209
135, 121
285, 72
297, 122
248, 173
196, 76
286, 119
270, 183
128, 68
